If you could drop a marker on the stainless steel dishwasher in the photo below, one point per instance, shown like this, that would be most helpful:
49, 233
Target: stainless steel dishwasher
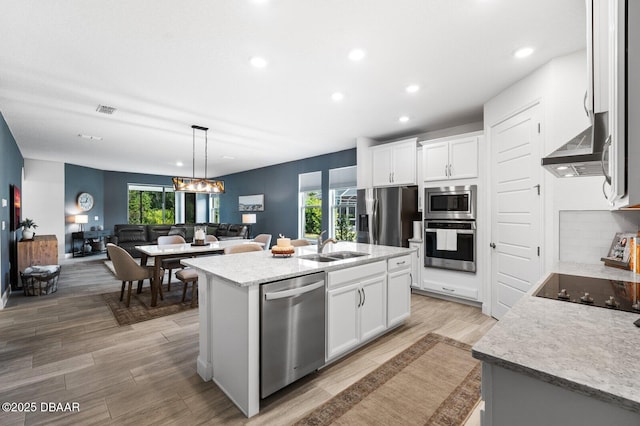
292, 330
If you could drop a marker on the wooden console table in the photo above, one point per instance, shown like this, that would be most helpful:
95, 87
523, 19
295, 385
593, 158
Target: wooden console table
42, 250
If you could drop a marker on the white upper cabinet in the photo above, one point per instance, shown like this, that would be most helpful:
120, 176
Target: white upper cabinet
394, 163
450, 159
598, 60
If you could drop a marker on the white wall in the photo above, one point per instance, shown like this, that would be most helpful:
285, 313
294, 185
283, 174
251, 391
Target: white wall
43, 198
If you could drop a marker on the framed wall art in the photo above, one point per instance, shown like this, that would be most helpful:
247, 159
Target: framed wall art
251, 203
16, 207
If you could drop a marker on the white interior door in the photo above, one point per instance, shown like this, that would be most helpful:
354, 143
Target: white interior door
515, 208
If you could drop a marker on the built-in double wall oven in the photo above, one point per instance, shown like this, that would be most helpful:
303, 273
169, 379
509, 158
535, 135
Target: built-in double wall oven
450, 227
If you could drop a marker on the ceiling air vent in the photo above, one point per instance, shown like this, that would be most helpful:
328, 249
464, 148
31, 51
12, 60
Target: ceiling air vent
105, 109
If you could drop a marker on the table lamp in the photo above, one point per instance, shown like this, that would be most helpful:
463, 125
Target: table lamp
81, 219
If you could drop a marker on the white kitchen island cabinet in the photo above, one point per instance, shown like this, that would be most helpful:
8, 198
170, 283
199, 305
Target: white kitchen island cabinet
355, 307
229, 311
398, 289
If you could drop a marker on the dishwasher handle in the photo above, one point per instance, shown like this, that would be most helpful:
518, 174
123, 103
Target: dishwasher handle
293, 292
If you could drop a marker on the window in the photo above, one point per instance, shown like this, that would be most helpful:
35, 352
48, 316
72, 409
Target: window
214, 214
342, 203
310, 203
150, 204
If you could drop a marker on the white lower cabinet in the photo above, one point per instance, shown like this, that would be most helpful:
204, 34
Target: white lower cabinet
356, 306
416, 265
398, 289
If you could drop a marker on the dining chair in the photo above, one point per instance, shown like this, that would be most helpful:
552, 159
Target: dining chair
210, 239
300, 242
189, 275
242, 248
264, 239
173, 262
128, 270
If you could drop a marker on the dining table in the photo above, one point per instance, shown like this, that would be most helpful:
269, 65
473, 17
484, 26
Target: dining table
184, 250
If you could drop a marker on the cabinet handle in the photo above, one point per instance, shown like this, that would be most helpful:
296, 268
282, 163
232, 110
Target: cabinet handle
448, 289
393, 176
446, 170
450, 170
401, 263
359, 299
364, 297
389, 177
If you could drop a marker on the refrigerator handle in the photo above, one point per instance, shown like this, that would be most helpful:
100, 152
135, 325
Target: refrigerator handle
375, 229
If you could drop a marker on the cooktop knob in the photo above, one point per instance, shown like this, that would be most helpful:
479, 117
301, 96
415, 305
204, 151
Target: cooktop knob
586, 298
611, 303
563, 294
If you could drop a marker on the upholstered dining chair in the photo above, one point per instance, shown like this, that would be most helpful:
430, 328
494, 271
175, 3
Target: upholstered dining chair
264, 239
171, 263
300, 242
189, 275
128, 270
210, 238
242, 248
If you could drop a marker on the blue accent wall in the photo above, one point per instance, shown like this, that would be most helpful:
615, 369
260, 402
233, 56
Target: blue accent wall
279, 184
11, 164
82, 179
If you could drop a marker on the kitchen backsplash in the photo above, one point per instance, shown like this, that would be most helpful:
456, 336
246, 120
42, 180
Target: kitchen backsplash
585, 236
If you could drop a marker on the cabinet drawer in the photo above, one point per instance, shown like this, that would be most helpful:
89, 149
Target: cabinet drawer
343, 276
398, 263
451, 290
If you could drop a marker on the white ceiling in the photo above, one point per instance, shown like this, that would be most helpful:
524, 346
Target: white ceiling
168, 64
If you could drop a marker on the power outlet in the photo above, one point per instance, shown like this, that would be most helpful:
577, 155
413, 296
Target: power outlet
4, 203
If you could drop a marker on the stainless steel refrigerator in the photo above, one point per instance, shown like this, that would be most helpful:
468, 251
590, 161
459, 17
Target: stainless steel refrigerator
386, 215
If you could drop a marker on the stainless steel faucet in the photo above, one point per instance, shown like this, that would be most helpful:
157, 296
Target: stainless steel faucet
321, 243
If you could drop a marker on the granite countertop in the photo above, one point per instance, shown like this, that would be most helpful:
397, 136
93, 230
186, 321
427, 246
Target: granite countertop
590, 350
254, 268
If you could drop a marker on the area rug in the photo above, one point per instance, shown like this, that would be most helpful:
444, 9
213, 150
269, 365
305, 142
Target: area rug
433, 382
140, 307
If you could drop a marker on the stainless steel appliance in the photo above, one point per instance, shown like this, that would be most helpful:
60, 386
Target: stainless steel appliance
604, 293
386, 215
292, 330
450, 228
450, 202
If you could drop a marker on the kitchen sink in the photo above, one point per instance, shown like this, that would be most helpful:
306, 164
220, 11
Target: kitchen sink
332, 257
345, 254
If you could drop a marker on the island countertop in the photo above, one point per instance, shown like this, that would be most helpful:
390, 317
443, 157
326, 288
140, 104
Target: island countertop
590, 350
254, 268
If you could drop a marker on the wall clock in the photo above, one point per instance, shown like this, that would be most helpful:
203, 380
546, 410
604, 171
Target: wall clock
85, 201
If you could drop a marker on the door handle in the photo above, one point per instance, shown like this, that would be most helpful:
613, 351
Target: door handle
293, 292
492, 245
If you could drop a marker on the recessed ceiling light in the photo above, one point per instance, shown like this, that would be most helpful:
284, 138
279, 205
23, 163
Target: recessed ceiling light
258, 62
357, 54
403, 119
179, 163
412, 88
92, 138
523, 53
337, 96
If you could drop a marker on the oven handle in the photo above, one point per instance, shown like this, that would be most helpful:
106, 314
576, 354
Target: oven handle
458, 231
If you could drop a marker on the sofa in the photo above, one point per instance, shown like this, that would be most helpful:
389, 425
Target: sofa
129, 236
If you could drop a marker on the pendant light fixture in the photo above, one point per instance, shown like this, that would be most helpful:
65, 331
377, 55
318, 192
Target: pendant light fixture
201, 185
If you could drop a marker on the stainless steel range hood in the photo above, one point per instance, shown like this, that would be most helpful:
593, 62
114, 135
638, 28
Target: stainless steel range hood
584, 154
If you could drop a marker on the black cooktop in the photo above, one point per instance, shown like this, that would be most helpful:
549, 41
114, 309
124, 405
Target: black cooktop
604, 293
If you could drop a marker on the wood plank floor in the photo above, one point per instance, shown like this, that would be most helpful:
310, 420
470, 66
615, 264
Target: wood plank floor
67, 347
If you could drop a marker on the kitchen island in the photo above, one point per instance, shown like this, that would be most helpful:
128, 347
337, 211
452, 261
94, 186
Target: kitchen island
229, 312
554, 362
